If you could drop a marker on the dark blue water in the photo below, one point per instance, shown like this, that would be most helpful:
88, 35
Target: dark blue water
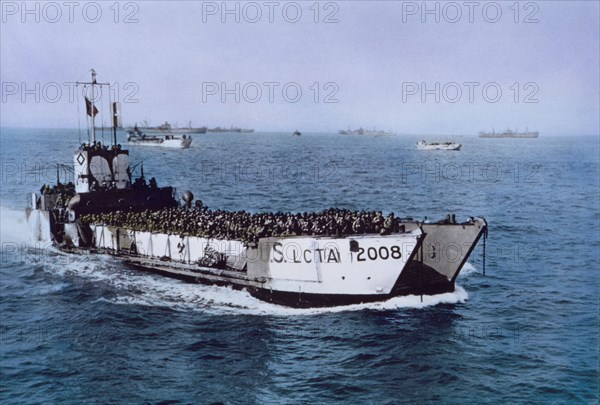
79, 329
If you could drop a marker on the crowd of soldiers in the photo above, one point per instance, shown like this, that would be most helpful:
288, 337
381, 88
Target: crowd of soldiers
60, 188
62, 193
249, 228
97, 146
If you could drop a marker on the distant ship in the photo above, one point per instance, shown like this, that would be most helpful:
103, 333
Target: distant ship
297, 133
509, 133
230, 129
168, 128
362, 131
137, 137
423, 145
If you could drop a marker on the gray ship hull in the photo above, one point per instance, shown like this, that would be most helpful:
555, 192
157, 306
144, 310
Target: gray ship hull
509, 134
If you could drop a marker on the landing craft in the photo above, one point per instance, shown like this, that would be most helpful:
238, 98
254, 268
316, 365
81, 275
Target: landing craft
424, 145
137, 137
297, 271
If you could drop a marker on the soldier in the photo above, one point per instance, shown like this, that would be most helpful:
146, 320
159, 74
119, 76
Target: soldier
378, 222
59, 201
358, 226
388, 226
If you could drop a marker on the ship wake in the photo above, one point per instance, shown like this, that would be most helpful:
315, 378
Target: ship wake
129, 287
225, 301
14, 226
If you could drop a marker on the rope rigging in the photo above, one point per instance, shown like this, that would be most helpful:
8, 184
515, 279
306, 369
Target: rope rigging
485, 235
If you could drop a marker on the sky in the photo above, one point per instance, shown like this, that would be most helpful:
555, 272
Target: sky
408, 67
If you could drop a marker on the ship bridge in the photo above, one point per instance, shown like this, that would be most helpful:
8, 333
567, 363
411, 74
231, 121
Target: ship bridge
96, 165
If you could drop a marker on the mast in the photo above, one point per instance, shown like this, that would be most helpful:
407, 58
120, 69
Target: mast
93, 115
93, 83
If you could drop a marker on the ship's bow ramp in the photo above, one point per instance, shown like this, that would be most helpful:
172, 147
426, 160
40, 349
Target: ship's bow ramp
444, 252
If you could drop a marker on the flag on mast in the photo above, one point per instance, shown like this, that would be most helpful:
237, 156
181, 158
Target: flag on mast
88, 105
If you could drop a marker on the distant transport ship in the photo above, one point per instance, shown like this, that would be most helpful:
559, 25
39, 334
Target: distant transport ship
362, 131
296, 133
509, 133
423, 145
137, 137
168, 128
231, 129
308, 270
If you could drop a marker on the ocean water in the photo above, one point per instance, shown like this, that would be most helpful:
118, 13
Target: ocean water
85, 329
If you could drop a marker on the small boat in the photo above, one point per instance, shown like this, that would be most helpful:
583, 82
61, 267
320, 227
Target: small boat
167, 128
137, 137
297, 133
424, 145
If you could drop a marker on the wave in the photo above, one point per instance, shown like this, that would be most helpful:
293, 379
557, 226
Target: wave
131, 287
226, 301
467, 270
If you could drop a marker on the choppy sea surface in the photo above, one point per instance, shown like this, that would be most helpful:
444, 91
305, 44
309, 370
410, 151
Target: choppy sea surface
86, 329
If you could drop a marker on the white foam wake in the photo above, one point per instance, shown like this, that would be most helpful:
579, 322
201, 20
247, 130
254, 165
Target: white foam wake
13, 226
130, 287
467, 269
137, 288
221, 300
